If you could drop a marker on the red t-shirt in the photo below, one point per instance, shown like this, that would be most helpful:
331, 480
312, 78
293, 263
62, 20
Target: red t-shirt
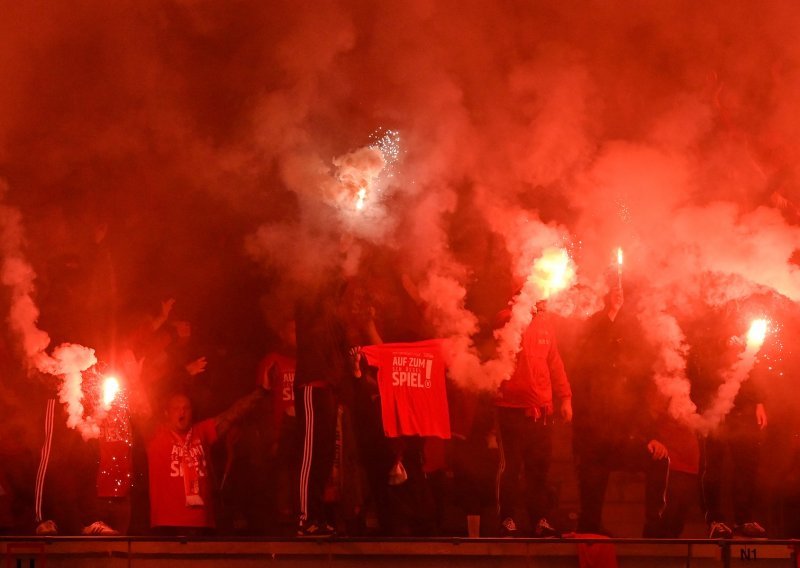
276, 374
166, 454
411, 383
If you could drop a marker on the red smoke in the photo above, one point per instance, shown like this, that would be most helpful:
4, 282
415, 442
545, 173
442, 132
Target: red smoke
214, 135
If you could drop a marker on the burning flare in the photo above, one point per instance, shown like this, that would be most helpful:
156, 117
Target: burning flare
553, 271
757, 333
357, 176
110, 391
361, 196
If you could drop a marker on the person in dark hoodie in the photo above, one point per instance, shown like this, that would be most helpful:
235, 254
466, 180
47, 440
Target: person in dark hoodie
328, 326
715, 346
614, 425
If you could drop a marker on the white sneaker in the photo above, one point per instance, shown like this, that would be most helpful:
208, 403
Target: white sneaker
719, 530
398, 475
99, 528
545, 530
750, 530
46, 528
508, 527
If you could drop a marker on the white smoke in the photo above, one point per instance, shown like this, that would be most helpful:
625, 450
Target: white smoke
669, 371
444, 298
338, 204
67, 361
733, 377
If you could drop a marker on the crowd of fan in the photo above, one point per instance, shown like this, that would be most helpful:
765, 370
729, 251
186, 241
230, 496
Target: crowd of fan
307, 452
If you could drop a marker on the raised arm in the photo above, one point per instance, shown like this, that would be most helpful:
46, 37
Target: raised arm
237, 410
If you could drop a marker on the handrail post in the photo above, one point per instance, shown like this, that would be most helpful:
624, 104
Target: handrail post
726, 553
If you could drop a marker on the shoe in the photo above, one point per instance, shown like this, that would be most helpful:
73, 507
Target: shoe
99, 528
46, 528
315, 529
719, 530
398, 474
508, 527
545, 530
751, 530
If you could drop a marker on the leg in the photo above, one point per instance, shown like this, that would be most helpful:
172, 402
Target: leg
636, 457
593, 474
510, 466
536, 454
711, 462
655, 494
287, 469
44, 459
377, 457
682, 491
744, 443
317, 418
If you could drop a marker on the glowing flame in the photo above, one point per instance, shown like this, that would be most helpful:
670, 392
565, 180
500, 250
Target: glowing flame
553, 271
619, 258
757, 333
361, 196
110, 390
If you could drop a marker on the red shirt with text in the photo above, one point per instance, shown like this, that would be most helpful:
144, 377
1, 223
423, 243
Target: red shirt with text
411, 379
168, 502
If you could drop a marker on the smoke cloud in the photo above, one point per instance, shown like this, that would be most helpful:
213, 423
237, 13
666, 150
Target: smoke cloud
67, 361
214, 138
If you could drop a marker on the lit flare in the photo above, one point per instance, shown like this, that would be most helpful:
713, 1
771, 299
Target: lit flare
110, 390
553, 271
757, 333
361, 197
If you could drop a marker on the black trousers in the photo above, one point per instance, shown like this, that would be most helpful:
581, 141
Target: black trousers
683, 494
316, 409
65, 484
525, 452
287, 460
598, 458
740, 437
376, 455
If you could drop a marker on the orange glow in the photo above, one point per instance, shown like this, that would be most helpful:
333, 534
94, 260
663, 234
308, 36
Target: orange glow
110, 390
553, 271
757, 333
619, 258
360, 198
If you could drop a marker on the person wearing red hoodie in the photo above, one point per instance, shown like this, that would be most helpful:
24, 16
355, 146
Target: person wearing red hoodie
525, 405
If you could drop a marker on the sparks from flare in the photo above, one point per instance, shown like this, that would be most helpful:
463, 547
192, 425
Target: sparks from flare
387, 142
